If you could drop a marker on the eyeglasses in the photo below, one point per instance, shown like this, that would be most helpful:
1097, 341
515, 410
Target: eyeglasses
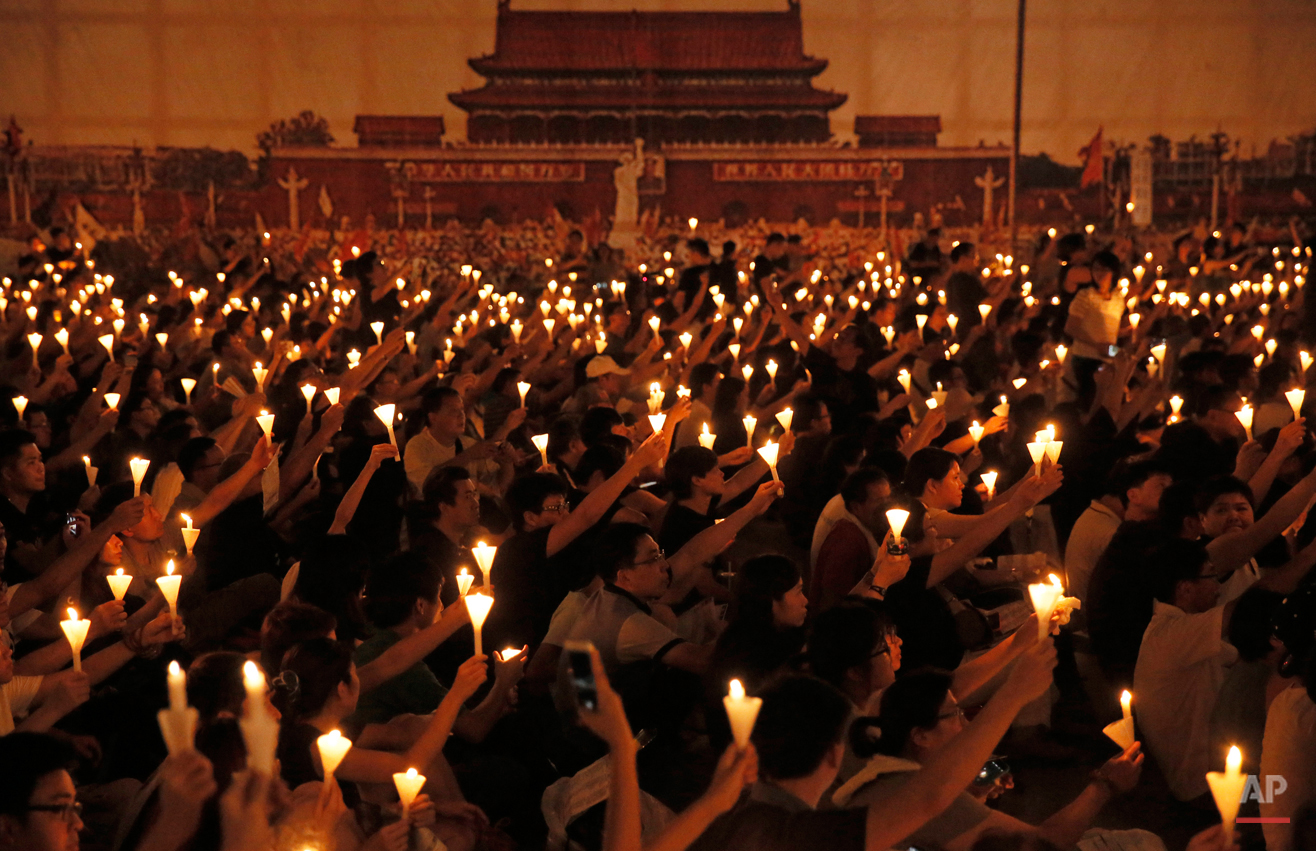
656, 557
560, 508
956, 713
71, 811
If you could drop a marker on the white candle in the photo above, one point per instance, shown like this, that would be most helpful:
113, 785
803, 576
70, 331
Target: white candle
989, 479
333, 747
541, 443
188, 384
523, 388
517, 328
1122, 732
119, 582
177, 688
896, 518
169, 588
769, 453
750, 422
686, 339
904, 379
112, 399
976, 432
1295, 397
1044, 596
177, 722
771, 367
1227, 789
378, 328
259, 729
1053, 450
91, 471
656, 421
138, 466
75, 630
190, 534
1003, 409
654, 323
107, 340
386, 414
409, 786
464, 580
484, 557
477, 606
742, 712
734, 348
1245, 417
1037, 449
259, 372
332, 395
747, 371
20, 403
707, 438
62, 335
308, 391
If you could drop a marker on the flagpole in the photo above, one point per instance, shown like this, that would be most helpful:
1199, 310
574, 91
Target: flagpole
1018, 106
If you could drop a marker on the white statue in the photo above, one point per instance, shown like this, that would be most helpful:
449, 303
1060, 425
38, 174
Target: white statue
626, 177
294, 185
988, 182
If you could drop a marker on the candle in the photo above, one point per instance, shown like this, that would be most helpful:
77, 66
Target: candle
1306, 359
409, 786
138, 466
1044, 596
333, 747
332, 395
989, 479
484, 557
686, 339
748, 371
742, 712
1227, 788
1245, 417
750, 422
1037, 449
112, 399
477, 606
260, 374
1295, 397
189, 533
378, 328
1003, 409
62, 335
983, 310
541, 443
734, 348
266, 422
976, 432
654, 323
771, 367
308, 391
1158, 352
1062, 351
91, 471
656, 421
177, 722
75, 630
1122, 732
119, 582
904, 379
20, 403
169, 588
107, 340
1053, 450
896, 518
177, 688
259, 729
523, 388
386, 414
769, 453
188, 384
508, 655
707, 438
786, 416
1176, 403
464, 580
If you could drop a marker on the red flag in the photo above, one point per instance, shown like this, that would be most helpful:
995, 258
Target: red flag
1092, 162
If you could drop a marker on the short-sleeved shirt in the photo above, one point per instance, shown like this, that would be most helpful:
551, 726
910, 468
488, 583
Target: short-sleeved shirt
623, 629
16, 698
680, 524
415, 691
964, 814
924, 620
529, 588
769, 818
1181, 667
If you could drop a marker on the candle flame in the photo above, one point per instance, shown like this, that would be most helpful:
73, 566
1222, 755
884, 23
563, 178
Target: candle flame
169, 568
73, 614
1234, 760
736, 691
119, 572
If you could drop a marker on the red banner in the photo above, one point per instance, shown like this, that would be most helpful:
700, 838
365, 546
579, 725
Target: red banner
786, 170
497, 172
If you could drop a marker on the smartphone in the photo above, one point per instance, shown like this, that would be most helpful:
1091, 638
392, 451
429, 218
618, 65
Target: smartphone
71, 522
1112, 351
581, 669
994, 769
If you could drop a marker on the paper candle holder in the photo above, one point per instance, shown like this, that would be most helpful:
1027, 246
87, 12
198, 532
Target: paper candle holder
1295, 398
1122, 732
409, 784
769, 453
896, 518
657, 421
1044, 596
707, 438
169, 584
1227, 789
541, 443
750, 422
119, 582
332, 395
75, 630
786, 416
266, 423
112, 400
386, 413
478, 606
742, 712
333, 746
138, 467
188, 385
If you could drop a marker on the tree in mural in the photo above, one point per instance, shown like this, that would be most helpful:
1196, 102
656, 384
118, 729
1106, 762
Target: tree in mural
306, 129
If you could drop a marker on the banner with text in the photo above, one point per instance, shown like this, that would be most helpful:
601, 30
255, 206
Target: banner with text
788, 170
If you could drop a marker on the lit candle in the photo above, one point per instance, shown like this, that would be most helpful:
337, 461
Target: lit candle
656, 421
169, 588
523, 388
477, 606
378, 328
1295, 397
1245, 417
1037, 449
507, 655
771, 367
896, 519
654, 323
259, 372
989, 479
1003, 409
91, 471
1227, 789
177, 688
769, 453
1062, 351
386, 414
706, 438
188, 384
786, 416
332, 395
976, 432
734, 348
20, 403
1158, 352
1053, 450
112, 399
259, 729
190, 534
686, 339
1044, 596
119, 582
747, 371
1122, 732
308, 390
1176, 403
75, 630
409, 786
484, 557
266, 422
333, 747
1306, 359
464, 580
541, 443
177, 722
62, 335
107, 340
904, 379
34, 340
983, 310
138, 466
742, 712
750, 422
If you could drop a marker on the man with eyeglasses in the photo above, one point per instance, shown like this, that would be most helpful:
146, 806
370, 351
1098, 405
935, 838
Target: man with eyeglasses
38, 801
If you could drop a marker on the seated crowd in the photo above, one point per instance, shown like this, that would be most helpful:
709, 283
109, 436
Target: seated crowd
694, 482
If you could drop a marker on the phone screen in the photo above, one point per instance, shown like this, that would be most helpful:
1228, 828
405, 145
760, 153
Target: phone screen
582, 678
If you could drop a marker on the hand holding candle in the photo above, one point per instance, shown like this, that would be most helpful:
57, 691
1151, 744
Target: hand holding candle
896, 518
409, 786
169, 584
138, 466
464, 581
1122, 732
119, 582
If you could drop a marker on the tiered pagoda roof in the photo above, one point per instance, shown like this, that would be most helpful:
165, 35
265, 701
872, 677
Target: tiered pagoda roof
637, 66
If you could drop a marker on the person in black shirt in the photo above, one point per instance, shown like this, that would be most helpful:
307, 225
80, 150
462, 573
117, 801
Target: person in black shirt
964, 289
772, 260
695, 276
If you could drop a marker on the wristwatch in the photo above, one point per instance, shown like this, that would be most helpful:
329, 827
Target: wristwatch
879, 589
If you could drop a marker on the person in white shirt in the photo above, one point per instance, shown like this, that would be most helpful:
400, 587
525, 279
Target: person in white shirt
1182, 660
1134, 495
440, 443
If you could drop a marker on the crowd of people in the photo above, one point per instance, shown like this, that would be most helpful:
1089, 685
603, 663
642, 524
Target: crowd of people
751, 525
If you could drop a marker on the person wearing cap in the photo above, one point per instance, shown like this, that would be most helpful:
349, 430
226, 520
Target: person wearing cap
605, 383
